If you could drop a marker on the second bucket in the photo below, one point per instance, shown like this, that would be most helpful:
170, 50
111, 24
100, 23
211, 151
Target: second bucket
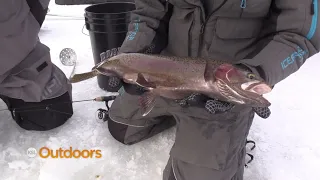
107, 24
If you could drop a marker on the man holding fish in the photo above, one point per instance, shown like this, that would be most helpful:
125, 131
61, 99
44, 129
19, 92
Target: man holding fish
269, 38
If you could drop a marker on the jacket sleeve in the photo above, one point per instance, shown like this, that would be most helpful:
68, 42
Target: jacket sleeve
148, 29
18, 33
291, 36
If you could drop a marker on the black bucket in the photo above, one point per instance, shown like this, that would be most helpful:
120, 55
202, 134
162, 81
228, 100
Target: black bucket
107, 24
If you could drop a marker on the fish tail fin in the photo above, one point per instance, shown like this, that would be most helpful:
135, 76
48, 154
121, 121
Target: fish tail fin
83, 76
147, 102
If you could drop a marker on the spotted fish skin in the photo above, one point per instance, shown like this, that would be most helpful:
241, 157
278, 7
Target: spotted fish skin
167, 73
178, 77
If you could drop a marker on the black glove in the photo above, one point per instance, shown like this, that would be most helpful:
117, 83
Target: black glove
214, 106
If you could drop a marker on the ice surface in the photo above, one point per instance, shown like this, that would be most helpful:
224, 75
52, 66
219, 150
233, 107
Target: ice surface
288, 146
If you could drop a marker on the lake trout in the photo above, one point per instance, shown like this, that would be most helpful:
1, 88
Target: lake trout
178, 77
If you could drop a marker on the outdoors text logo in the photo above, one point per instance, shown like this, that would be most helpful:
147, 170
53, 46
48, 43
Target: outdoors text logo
45, 152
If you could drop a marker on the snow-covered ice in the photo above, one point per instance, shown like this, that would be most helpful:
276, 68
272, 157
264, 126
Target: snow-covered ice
288, 146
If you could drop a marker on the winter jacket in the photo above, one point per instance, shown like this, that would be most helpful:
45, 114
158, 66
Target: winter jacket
272, 37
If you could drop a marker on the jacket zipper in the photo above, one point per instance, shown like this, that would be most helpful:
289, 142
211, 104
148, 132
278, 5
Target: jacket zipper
314, 12
204, 23
243, 5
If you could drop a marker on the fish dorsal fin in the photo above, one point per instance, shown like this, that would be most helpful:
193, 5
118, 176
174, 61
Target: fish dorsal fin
147, 102
141, 81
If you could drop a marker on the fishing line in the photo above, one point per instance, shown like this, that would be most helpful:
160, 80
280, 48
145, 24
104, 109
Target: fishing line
65, 16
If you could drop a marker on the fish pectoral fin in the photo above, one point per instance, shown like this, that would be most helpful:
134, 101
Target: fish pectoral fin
147, 102
141, 81
138, 79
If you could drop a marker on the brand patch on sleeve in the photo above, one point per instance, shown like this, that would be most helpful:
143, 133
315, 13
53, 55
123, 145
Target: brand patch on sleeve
42, 66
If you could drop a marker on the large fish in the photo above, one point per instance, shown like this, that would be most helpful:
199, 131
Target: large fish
179, 77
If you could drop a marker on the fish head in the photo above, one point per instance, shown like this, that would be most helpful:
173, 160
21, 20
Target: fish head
241, 86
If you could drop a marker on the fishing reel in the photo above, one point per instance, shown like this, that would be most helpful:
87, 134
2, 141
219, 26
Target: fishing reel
102, 115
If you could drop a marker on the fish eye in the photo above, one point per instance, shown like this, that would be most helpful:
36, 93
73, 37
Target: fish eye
251, 76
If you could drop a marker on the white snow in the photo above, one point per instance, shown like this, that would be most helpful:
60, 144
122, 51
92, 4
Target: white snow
288, 146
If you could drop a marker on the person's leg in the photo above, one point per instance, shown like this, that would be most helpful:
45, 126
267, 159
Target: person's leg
180, 170
129, 135
126, 124
36, 91
206, 146
209, 147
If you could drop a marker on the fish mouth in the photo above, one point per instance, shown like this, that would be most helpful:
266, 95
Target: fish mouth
257, 87
249, 93
254, 90
259, 100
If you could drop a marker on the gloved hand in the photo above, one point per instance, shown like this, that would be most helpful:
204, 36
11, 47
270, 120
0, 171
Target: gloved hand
214, 106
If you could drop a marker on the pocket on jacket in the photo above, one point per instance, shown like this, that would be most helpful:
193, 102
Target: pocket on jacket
233, 38
235, 29
256, 8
